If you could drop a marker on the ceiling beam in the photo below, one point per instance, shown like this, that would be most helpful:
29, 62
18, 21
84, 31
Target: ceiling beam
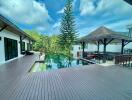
109, 41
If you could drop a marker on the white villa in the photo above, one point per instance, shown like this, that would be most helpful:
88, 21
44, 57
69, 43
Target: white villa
13, 41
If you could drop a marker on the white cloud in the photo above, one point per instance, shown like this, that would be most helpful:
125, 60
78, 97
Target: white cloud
40, 28
115, 7
87, 7
61, 11
57, 25
25, 11
86, 30
74, 3
120, 25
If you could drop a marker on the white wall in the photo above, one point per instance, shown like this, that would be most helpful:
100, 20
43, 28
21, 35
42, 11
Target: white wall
75, 50
111, 48
10, 35
2, 53
129, 46
26, 41
93, 47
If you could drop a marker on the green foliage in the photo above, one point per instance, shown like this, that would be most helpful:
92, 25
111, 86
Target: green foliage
68, 33
33, 34
62, 44
45, 43
38, 44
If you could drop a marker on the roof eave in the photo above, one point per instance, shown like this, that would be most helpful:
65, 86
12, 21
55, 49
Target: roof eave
13, 26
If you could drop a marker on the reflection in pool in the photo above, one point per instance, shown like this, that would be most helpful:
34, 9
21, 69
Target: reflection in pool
53, 62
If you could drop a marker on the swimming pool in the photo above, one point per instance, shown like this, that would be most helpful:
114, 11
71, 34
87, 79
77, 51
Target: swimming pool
54, 62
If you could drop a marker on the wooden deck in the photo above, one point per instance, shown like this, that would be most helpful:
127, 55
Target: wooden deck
12, 72
91, 82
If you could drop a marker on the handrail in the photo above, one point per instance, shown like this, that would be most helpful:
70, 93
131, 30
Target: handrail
89, 61
123, 59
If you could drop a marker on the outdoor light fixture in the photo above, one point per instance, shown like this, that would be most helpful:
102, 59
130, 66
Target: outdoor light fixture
0, 38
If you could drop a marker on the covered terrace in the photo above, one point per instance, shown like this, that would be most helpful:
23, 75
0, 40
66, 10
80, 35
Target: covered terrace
104, 36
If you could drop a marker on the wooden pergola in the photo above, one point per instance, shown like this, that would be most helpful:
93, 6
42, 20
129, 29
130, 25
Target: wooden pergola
105, 36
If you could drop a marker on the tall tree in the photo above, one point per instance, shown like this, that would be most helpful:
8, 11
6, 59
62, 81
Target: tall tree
68, 33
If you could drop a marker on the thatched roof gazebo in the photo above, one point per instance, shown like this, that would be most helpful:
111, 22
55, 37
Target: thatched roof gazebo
105, 36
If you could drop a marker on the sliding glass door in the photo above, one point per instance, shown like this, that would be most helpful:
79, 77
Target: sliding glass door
11, 48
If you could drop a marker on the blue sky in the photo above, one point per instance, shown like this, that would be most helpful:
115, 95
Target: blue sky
44, 16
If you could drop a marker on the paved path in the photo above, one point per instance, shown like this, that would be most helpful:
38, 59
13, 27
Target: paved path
83, 83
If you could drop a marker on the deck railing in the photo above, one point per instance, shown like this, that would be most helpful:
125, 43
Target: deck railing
125, 60
88, 61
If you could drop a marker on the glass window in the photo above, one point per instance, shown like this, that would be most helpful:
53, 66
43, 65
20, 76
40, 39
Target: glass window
28, 46
11, 48
23, 46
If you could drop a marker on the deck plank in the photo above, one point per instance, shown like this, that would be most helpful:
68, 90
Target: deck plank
91, 82
12, 72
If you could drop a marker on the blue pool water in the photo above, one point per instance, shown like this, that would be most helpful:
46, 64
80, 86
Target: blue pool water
54, 62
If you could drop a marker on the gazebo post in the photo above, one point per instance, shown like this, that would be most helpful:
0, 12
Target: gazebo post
98, 47
20, 44
104, 52
122, 46
105, 44
83, 46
